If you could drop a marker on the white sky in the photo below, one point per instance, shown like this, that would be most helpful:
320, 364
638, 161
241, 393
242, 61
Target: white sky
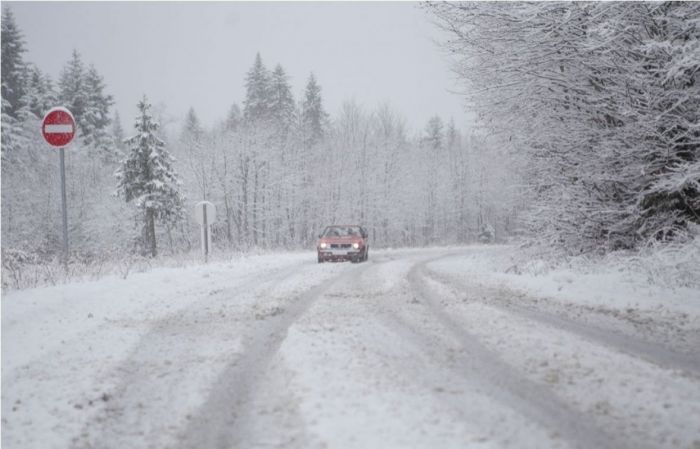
197, 54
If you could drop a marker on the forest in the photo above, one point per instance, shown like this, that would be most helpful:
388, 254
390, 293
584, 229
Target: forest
586, 141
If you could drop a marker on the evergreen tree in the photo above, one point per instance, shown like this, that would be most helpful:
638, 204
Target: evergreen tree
95, 118
313, 115
452, 135
40, 96
12, 135
434, 134
147, 178
233, 120
13, 66
81, 90
72, 91
13, 74
118, 131
256, 106
193, 129
281, 102
197, 162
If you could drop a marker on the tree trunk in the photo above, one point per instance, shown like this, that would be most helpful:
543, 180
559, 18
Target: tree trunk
151, 231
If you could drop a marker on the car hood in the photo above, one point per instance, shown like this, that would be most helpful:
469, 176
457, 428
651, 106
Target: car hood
344, 239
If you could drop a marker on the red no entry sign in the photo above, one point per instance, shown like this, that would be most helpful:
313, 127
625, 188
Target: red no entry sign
58, 127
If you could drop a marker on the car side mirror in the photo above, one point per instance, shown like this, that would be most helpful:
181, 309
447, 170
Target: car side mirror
320, 235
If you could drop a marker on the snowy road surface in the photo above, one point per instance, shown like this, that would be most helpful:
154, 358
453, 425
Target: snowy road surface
413, 349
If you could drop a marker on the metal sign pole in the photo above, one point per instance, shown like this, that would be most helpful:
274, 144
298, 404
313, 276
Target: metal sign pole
62, 157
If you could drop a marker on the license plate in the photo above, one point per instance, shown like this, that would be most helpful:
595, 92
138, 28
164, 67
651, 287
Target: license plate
339, 252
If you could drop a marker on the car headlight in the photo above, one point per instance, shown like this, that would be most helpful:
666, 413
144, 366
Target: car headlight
356, 245
323, 245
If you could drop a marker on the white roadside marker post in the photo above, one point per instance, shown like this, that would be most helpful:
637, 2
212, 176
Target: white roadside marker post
205, 214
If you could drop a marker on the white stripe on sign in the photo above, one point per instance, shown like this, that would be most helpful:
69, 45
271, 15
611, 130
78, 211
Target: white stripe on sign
59, 129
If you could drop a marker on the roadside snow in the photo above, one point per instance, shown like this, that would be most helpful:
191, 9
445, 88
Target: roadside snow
608, 285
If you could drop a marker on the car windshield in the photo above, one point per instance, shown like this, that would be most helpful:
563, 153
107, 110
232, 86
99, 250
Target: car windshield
342, 231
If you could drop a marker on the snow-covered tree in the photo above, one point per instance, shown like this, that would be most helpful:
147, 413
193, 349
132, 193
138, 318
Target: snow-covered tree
256, 106
234, 118
72, 92
13, 85
96, 119
40, 95
147, 178
434, 134
118, 132
313, 115
281, 103
13, 66
198, 158
82, 91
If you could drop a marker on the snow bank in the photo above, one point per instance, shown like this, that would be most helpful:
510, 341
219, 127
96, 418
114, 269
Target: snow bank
661, 279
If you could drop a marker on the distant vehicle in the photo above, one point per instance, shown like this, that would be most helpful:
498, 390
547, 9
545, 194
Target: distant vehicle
343, 242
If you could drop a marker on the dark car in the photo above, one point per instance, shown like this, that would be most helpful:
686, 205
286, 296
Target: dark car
343, 242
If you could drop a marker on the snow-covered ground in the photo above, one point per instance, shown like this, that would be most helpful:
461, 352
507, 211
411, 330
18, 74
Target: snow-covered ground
440, 347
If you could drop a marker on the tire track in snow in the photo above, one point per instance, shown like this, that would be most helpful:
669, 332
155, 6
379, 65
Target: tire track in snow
133, 413
224, 420
439, 368
492, 386
651, 352
504, 384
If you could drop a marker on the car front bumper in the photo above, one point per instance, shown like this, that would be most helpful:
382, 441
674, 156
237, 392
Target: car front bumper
338, 255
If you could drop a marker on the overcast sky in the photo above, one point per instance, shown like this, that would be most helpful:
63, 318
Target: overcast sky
197, 54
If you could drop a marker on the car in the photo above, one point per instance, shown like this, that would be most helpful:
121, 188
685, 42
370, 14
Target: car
343, 242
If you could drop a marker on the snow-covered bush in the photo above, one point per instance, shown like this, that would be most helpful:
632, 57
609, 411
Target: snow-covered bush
15, 267
672, 265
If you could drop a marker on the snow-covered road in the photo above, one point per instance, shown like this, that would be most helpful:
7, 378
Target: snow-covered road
413, 349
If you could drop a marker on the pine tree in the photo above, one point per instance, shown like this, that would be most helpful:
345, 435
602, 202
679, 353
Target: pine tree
13, 66
281, 102
118, 131
452, 135
434, 134
96, 120
233, 120
147, 178
313, 116
40, 96
13, 89
72, 91
192, 141
256, 106
12, 135
192, 128
82, 91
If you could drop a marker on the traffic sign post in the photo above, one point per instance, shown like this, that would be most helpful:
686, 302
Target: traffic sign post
205, 214
58, 129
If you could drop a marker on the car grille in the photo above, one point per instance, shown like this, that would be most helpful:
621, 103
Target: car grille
340, 245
